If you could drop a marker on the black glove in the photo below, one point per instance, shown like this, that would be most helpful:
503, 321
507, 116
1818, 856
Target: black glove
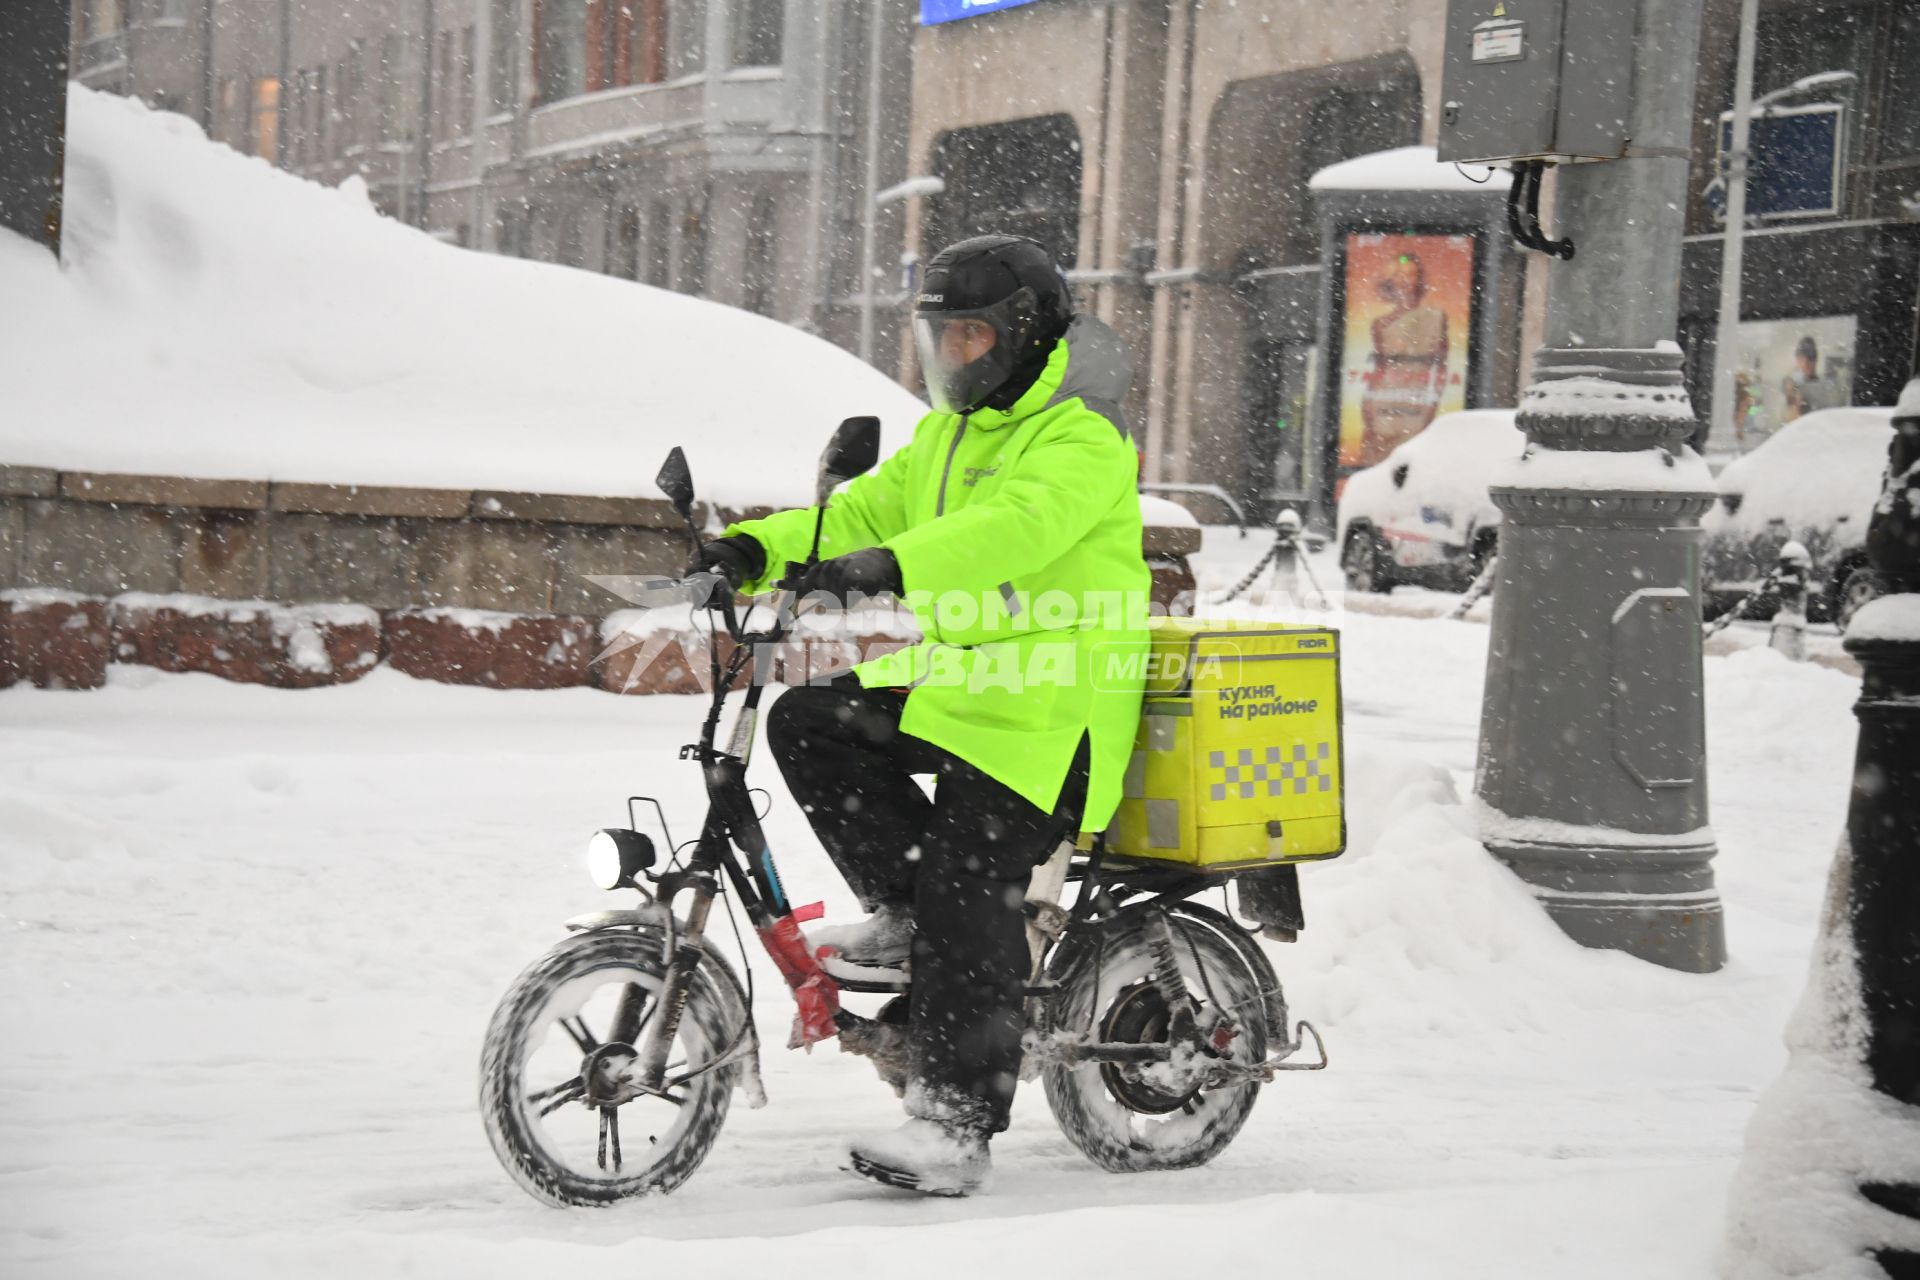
738, 559
867, 573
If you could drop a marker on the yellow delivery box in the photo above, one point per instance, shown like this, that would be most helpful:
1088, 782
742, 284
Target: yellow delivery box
1238, 762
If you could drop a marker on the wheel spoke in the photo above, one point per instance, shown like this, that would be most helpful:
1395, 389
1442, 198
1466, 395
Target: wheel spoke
613, 1134
577, 1028
574, 1085
552, 1100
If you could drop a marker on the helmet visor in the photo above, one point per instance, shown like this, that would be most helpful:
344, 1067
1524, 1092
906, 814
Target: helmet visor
966, 356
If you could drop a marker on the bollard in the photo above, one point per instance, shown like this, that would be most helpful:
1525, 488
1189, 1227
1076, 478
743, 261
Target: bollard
1286, 550
1883, 819
1831, 1173
1789, 632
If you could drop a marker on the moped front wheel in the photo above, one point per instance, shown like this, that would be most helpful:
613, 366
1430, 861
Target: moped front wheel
560, 1096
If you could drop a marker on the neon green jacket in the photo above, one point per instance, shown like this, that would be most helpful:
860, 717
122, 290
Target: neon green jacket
1018, 538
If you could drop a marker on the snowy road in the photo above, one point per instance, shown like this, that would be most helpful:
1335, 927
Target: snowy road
252, 938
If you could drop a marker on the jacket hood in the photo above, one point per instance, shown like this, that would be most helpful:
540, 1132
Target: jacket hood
1099, 370
1089, 363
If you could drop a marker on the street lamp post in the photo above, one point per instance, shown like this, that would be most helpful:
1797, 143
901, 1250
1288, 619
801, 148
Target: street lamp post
920, 186
1591, 773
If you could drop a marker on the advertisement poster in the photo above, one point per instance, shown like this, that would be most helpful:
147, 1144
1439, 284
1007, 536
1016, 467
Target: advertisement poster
1783, 369
1409, 319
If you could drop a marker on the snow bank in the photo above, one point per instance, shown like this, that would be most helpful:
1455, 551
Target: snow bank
1405, 169
1821, 1131
221, 319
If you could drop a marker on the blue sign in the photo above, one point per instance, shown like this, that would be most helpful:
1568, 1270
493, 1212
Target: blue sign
934, 12
1794, 160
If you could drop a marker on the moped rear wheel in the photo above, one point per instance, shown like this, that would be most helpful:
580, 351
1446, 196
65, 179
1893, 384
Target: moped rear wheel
561, 1108
1136, 1118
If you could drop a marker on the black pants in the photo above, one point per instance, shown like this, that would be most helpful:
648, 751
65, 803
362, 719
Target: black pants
961, 860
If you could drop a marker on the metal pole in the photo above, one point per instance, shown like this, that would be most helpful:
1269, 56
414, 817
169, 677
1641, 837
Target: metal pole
870, 211
1733, 242
283, 95
423, 151
1592, 763
1883, 821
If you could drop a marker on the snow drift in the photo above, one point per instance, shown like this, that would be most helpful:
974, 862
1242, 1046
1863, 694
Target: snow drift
221, 319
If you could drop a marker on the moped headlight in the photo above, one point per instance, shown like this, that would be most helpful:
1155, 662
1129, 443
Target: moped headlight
615, 858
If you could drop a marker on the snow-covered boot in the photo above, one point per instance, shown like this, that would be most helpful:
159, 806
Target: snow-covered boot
884, 940
929, 1156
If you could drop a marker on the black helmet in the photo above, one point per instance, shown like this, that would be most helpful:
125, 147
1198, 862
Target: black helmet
1007, 282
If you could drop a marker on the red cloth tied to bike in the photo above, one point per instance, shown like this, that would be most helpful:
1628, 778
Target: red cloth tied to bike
816, 995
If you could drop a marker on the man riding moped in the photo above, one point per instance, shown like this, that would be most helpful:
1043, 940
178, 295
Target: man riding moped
1011, 526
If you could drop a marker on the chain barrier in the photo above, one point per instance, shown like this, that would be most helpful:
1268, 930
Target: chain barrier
1284, 539
1727, 619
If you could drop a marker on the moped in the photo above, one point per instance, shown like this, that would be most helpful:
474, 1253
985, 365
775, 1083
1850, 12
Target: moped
611, 1061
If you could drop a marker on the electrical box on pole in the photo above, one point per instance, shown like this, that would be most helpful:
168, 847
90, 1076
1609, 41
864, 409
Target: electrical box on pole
1544, 80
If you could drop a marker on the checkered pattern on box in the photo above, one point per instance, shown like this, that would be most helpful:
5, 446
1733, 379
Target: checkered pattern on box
1244, 775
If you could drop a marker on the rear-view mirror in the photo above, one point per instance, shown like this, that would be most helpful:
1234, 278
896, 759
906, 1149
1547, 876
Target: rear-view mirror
676, 481
853, 451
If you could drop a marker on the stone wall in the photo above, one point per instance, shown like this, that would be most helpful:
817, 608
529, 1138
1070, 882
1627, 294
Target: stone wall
387, 548
470, 586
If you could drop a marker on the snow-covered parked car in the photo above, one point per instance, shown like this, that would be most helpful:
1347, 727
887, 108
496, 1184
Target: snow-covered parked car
1815, 481
1422, 514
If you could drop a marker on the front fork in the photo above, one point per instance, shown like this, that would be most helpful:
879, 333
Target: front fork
687, 947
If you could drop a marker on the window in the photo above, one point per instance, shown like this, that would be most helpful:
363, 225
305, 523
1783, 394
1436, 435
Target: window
101, 18
463, 113
350, 112
623, 243
757, 271
757, 29
230, 127
1020, 178
691, 276
646, 41
1900, 139
583, 46
313, 104
1805, 39
659, 244
606, 34
266, 117
510, 229
392, 107
686, 37
502, 31
562, 49
444, 88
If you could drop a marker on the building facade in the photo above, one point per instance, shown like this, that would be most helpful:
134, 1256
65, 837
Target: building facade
1164, 149
714, 147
